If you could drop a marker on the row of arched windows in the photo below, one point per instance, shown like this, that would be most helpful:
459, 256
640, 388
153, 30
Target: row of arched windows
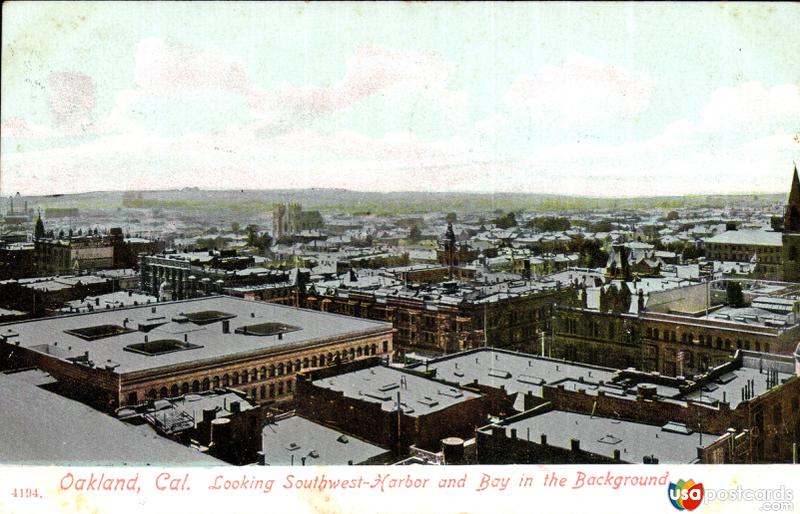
706, 340
246, 376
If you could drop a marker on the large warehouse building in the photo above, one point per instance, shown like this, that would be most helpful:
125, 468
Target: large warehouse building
128, 356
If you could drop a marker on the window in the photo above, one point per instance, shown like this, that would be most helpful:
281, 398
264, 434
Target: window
98, 332
160, 347
266, 329
385, 346
205, 317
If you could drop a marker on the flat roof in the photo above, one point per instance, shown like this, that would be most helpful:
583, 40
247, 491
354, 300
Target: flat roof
602, 436
381, 384
748, 237
286, 441
211, 343
728, 387
42, 427
517, 372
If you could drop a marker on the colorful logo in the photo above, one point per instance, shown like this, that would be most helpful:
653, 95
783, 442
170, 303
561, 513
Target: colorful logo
685, 495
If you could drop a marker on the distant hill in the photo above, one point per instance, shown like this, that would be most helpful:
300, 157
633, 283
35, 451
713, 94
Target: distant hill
357, 202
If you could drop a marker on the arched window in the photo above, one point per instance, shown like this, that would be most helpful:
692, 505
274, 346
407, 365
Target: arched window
271, 370
313, 361
163, 392
195, 386
280, 369
184, 388
226, 380
305, 362
253, 375
297, 365
235, 378
174, 390
359, 352
206, 384
216, 382
263, 373
373, 349
151, 394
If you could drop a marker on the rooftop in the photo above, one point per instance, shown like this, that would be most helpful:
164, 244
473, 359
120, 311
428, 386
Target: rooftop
171, 321
748, 237
382, 385
41, 427
517, 372
287, 441
601, 436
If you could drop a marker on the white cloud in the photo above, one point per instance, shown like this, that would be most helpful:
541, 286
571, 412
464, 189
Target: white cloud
581, 90
752, 107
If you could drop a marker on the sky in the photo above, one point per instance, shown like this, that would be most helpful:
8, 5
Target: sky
597, 99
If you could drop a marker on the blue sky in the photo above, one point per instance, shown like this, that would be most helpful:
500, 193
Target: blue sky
594, 99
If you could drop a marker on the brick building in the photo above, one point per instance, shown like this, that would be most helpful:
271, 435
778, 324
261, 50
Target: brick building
128, 356
451, 317
389, 407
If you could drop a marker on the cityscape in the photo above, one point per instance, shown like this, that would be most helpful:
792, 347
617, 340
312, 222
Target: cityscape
223, 295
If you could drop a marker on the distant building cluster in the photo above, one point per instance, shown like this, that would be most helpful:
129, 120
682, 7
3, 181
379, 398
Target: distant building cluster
615, 336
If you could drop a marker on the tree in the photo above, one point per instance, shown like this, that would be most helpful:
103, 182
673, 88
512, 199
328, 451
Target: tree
451, 217
415, 234
735, 295
691, 252
672, 215
507, 221
549, 224
39, 230
235, 228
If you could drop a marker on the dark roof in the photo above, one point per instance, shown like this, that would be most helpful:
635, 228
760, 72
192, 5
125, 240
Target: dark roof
41, 427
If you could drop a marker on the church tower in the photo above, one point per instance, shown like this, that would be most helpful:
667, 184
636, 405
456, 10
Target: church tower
791, 233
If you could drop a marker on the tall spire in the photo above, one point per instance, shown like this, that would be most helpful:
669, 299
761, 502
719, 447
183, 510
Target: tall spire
794, 193
791, 219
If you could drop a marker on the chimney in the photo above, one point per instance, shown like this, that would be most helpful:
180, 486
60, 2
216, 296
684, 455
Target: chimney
226, 326
543, 441
616, 455
280, 336
575, 445
235, 407
513, 433
185, 338
97, 300
153, 310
